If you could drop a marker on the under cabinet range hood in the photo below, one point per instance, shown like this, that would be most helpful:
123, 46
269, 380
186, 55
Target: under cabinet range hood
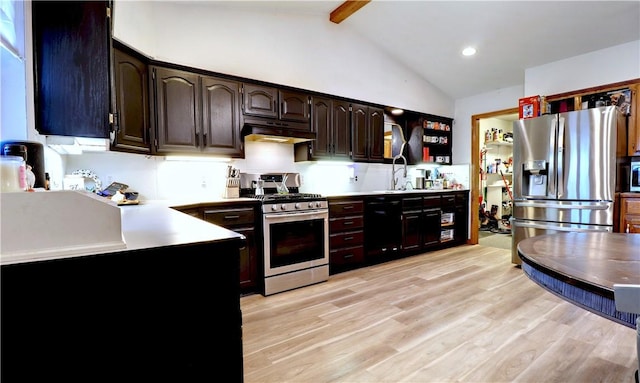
76, 145
267, 130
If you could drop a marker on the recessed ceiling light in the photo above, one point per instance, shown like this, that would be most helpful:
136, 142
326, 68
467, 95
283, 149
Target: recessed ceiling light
469, 51
397, 111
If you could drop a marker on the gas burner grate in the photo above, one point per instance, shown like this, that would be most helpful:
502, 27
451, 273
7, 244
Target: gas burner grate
286, 197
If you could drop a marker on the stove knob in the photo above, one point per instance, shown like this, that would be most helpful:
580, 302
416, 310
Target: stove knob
310, 205
283, 207
318, 204
297, 205
274, 207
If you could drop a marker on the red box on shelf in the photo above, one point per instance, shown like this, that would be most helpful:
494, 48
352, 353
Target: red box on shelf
529, 107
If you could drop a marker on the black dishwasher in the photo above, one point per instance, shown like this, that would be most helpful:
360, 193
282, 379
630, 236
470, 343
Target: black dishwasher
383, 228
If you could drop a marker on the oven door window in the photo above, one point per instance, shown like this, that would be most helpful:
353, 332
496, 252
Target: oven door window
296, 242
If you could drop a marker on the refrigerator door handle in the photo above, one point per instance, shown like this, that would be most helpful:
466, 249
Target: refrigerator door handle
546, 205
560, 228
552, 172
560, 159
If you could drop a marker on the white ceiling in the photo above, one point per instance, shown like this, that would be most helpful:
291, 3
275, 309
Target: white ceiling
510, 36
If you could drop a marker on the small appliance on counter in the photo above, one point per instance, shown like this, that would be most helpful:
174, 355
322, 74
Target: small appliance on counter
634, 184
33, 157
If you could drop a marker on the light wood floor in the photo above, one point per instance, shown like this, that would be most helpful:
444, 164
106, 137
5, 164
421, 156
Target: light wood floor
457, 315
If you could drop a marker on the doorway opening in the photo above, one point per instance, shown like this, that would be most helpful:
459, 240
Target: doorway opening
491, 178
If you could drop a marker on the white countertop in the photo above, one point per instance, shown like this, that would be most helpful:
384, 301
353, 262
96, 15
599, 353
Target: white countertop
394, 192
148, 225
155, 224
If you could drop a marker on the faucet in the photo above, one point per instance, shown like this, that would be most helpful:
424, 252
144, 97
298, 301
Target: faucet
394, 180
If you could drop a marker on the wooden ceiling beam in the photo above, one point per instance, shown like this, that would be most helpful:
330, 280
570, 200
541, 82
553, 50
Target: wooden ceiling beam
346, 9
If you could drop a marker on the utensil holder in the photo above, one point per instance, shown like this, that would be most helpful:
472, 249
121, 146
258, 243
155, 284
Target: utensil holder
232, 188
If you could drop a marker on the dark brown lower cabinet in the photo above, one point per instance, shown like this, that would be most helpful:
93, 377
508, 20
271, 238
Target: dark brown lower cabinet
241, 219
152, 315
346, 234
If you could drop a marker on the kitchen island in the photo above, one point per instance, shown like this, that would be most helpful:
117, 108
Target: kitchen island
165, 308
583, 267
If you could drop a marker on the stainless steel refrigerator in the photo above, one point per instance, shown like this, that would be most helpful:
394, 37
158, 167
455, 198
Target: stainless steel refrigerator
564, 173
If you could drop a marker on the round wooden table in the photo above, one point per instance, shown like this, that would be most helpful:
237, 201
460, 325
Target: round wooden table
583, 267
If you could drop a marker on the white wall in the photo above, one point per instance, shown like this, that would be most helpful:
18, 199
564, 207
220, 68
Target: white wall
611, 65
606, 66
500, 99
305, 51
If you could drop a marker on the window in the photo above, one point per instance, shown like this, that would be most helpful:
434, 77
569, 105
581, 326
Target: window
13, 99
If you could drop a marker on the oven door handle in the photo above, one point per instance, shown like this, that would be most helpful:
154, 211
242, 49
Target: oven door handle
287, 216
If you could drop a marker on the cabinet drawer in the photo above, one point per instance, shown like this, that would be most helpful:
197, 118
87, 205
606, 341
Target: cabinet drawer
345, 208
448, 200
632, 206
431, 201
346, 239
347, 256
230, 217
412, 203
345, 223
631, 224
461, 199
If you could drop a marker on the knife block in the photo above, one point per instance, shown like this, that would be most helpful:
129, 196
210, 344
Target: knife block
232, 188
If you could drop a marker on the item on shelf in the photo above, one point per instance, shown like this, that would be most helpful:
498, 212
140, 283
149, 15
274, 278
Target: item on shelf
529, 107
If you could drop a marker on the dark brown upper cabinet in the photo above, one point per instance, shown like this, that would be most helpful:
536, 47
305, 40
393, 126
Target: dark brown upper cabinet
294, 106
178, 116
196, 113
435, 140
221, 116
131, 112
367, 129
71, 45
331, 121
280, 106
260, 101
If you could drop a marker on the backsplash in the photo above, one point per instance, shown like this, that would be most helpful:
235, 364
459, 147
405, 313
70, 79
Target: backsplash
157, 177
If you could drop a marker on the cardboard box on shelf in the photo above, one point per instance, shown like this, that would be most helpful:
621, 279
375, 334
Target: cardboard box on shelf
529, 107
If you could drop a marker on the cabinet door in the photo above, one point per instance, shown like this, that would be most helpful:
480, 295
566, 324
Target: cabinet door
221, 116
248, 260
431, 227
341, 129
359, 128
411, 233
321, 124
375, 134
132, 104
294, 106
260, 100
461, 217
71, 42
633, 123
177, 111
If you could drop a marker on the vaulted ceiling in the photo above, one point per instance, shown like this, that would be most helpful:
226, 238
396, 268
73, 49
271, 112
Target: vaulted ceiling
510, 36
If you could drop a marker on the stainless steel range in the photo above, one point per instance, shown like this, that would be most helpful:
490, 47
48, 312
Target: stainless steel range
295, 231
